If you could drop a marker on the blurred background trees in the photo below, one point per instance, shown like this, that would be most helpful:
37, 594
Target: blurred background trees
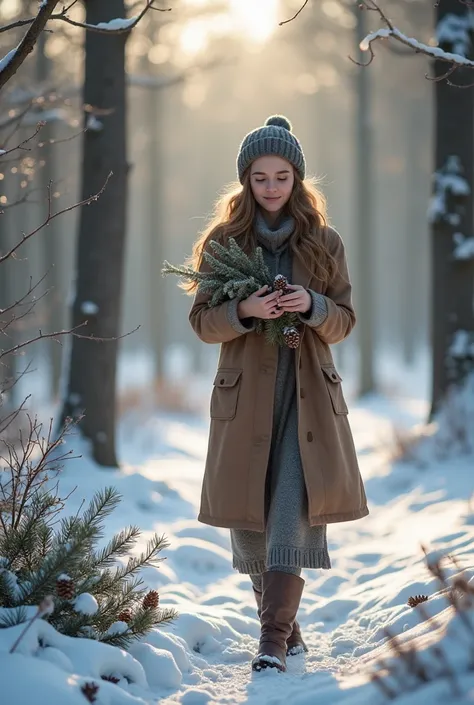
195, 80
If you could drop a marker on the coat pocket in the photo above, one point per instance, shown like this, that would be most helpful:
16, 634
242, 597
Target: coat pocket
225, 394
333, 383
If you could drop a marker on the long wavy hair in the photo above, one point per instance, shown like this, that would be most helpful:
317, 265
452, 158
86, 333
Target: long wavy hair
234, 215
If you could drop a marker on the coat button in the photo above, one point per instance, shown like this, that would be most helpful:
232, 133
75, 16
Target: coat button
309, 436
333, 376
302, 393
221, 381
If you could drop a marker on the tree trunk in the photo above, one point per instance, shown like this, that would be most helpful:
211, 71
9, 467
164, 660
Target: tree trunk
452, 221
50, 241
100, 245
156, 237
364, 236
411, 236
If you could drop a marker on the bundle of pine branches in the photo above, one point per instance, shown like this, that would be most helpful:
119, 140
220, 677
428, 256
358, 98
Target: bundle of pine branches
234, 274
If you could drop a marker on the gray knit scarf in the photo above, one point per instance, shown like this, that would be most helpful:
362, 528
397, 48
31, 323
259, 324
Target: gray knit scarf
273, 238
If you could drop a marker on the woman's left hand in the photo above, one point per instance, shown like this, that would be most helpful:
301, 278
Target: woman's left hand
299, 301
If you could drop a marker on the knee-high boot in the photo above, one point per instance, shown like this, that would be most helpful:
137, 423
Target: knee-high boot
281, 595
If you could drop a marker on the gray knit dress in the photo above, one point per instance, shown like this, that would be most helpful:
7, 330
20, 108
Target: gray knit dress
288, 543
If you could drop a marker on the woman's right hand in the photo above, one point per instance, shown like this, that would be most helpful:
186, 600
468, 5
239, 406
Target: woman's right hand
259, 305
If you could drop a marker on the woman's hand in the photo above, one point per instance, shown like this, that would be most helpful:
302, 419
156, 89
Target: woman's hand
299, 301
258, 305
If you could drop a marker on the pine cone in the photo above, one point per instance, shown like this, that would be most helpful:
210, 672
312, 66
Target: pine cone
65, 588
292, 337
414, 601
90, 691
151, 600
125, 616
280, 283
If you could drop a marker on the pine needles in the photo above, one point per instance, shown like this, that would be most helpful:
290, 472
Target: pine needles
236, 275
26, 576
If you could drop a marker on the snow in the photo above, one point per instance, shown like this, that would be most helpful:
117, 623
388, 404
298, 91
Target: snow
95, 125
7, 58
48, 684
464, 249
435, 52
12, 581
46, 606
448, 180
159, 665
204, 657
462, 345
64, 576
85, 604
455, 30
2, 151
88, 658
89, 308
117, 628
117, 24
378, 34
271, 660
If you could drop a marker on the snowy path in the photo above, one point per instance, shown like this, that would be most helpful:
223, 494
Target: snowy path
377, 565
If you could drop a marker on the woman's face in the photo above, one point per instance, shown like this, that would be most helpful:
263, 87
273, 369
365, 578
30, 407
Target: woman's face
271, 181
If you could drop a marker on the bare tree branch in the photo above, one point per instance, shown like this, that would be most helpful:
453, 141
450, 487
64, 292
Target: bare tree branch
39, 127
23, 302
10, 64
55, 335
6, 421
51, 216
295, 15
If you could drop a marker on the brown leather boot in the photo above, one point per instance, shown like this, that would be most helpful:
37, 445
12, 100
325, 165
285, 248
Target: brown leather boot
295, 643
281, 595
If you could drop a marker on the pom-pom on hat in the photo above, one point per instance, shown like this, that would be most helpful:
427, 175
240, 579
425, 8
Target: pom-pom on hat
275, 137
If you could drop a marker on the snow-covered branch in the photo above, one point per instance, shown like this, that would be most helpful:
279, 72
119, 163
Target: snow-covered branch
389, 31
12, 61
116, 26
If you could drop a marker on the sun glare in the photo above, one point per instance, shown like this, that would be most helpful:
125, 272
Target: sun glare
255, 20
250, 20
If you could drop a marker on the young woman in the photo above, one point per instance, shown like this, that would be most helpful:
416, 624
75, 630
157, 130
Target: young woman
281, 462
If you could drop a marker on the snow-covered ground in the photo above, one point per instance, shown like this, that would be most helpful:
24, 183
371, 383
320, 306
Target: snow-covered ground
203, 659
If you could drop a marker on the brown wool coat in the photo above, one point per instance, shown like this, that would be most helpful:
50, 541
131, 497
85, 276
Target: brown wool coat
233, 492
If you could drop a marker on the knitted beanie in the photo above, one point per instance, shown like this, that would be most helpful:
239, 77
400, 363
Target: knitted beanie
275, 137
